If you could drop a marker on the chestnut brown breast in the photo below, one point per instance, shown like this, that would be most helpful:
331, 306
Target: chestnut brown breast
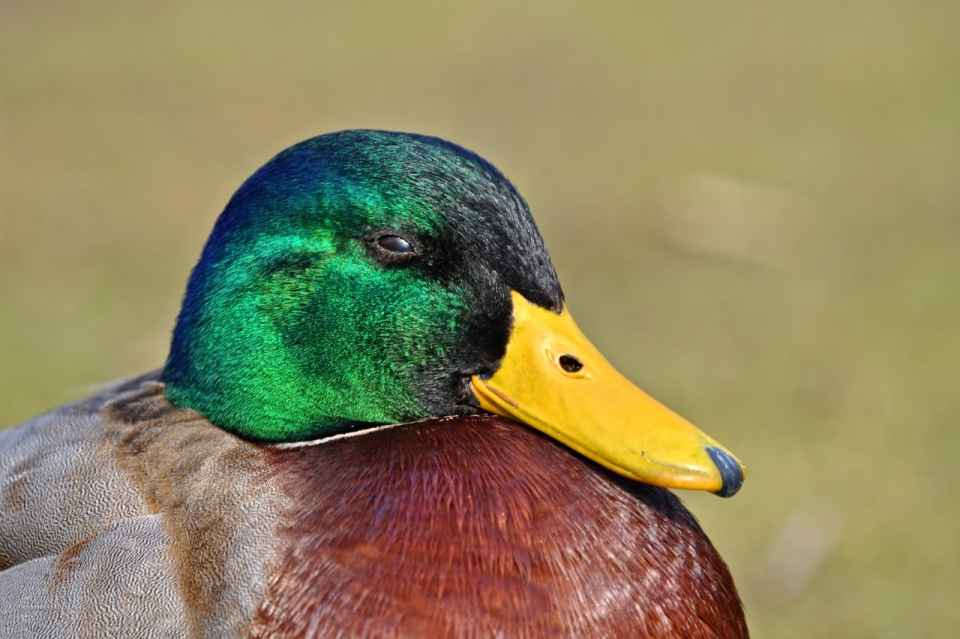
479, 527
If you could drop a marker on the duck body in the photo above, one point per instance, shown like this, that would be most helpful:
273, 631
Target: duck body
377, 419
125, 516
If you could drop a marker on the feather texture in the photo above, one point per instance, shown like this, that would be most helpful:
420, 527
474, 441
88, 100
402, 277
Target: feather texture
457, 527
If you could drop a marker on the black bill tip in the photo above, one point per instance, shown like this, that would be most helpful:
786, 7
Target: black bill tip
729, 469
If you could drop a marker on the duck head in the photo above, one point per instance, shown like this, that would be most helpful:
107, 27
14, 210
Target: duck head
365, 278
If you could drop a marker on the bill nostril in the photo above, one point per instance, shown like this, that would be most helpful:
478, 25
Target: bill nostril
729, 469
570, 364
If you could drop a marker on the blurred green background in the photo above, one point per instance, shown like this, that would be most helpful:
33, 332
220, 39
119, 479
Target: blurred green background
754, 208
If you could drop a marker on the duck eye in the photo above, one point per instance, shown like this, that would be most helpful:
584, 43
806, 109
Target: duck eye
394, 244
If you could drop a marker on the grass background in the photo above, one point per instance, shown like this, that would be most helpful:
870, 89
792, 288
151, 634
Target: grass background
753, 208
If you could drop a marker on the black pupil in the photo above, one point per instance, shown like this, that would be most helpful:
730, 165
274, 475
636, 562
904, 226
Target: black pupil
395, 244
570, 363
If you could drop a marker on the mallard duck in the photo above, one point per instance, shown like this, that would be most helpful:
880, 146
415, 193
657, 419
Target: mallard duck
377, 419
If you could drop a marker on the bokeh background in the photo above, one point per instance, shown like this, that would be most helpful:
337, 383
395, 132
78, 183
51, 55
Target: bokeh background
753, 208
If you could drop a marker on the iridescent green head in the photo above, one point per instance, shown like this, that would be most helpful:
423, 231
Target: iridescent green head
357, 278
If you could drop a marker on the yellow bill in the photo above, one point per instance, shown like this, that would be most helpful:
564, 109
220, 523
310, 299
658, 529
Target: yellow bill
553, 379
